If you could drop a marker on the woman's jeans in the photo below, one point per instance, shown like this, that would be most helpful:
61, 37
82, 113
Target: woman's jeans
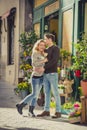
51, 85
36, 87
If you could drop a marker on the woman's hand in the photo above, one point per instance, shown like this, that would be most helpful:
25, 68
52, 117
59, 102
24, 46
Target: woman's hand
45, 60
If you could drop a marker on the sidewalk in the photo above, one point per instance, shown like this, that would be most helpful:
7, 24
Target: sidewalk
11, 120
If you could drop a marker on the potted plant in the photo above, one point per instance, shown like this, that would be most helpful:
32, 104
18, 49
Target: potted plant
65, 57
75, 115
27, 40
23, 88
80, 63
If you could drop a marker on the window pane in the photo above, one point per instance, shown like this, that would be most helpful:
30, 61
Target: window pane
67, 30
37, 29
10, 40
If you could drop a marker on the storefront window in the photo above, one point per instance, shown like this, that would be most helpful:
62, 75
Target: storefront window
39, 2
37, 29
67, 30
86, 18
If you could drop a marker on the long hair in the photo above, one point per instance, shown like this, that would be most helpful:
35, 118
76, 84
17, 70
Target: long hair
35, 48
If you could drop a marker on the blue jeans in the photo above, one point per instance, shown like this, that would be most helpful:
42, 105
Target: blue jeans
51, 84
36, 87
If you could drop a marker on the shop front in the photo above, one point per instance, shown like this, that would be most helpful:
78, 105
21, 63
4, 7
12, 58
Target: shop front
65, 19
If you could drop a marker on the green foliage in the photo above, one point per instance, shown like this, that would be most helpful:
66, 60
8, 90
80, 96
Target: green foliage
68, 105
80, 91
52, 104
80, 59
65, 54
23, 86
27, 38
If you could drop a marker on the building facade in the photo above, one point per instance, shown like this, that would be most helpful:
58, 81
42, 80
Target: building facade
66, 19
15, 18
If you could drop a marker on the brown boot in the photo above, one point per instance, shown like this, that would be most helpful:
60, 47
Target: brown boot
57, 115
44, 113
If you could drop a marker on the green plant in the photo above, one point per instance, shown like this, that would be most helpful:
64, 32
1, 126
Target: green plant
65, 54
80, 59
65, 57
76, 111
23, 86
27, 40
80, 91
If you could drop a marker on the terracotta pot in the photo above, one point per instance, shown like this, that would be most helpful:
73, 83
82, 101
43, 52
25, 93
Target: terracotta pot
84, 87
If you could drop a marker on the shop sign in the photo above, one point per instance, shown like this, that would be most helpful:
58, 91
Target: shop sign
52, 7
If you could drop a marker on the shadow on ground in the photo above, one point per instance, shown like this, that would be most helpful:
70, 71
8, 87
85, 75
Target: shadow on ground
23, 128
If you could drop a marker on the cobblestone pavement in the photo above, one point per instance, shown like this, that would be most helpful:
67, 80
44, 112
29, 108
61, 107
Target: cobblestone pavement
11, 120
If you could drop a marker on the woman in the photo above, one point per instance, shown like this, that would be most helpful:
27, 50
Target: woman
38, 61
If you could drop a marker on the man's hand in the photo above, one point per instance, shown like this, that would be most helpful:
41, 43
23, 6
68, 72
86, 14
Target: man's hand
39, 69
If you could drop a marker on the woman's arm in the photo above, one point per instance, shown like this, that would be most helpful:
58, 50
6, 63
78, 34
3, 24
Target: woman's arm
37, 61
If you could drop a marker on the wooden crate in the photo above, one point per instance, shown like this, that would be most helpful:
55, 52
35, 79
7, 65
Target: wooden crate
75, 119
84, 109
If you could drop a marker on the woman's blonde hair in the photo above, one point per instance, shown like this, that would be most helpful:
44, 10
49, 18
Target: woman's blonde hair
35, 48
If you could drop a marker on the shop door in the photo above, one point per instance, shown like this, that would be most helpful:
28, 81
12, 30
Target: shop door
51, 25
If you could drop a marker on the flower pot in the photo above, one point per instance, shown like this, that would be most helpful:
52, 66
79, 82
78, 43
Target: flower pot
24, 93
74, 119
84, 87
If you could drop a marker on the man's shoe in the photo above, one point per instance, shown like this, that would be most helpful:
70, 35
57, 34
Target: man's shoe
44, 113
57, 115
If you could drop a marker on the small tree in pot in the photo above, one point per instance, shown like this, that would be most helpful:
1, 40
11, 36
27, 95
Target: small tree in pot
80, 62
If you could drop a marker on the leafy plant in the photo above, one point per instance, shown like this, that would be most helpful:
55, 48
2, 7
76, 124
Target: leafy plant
65, 54
76, 111
80, 59
65, 57
23, 86
27, 38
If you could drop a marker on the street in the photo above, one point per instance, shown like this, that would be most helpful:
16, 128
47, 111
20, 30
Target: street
11, 120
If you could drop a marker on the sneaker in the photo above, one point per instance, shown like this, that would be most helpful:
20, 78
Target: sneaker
57, 115
44, 113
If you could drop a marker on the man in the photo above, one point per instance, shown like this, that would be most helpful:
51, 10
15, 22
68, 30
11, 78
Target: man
51, 77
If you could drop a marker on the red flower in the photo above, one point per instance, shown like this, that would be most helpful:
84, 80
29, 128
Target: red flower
77, 73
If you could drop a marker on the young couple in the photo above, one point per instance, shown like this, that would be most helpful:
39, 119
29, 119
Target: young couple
44, 62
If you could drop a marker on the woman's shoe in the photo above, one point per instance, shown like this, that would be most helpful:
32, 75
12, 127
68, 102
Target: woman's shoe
20, 107
31, 113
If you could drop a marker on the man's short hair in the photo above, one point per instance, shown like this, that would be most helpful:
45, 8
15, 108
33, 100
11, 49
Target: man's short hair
50, 36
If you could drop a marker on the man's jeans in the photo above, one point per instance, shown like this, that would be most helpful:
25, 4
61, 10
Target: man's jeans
36, 87
51, 85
